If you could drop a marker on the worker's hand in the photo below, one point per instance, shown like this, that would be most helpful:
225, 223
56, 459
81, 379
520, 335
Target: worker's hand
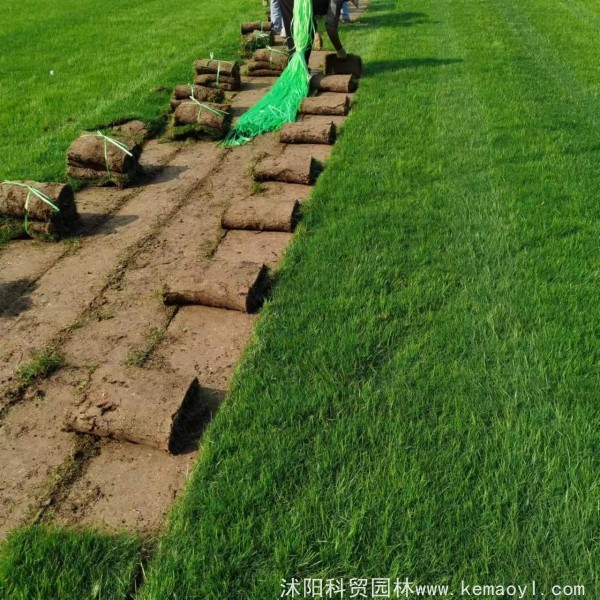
341, 54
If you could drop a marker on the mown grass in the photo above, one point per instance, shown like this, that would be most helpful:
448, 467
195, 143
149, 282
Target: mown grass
107, 58
420, 398
42, 564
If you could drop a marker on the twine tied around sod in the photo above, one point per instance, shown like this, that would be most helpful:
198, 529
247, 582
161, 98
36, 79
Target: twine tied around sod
107, 139
218, 112
31, 190
218, 68
271, 50
259, 35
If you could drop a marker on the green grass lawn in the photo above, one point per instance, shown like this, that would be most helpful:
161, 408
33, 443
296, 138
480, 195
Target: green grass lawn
421, 397
50, 564
107, 57
421, 400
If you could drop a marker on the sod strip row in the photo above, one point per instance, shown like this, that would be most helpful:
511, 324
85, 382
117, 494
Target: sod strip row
420, 400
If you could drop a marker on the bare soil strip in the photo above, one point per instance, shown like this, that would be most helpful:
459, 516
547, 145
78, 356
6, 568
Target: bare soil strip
99, 298
68, 288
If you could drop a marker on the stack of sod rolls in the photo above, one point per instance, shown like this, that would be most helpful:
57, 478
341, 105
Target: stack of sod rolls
268, 62
183, 93
103, 158
218, 74
44, 210
247, 28
256, 40
201, 120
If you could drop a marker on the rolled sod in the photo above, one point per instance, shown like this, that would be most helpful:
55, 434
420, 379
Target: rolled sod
303, 132
147, 407
333, 83
15, 229
210, 119
328, 103
349, 66
256, 40
256, 71
262, 214
133, 128
42, 220
236, 286
222, 82
261, 65
265, 73
258, 65
211, 66
13, 198
182, 93
93, 158
286, 168
275, 59
246, 28
221, 74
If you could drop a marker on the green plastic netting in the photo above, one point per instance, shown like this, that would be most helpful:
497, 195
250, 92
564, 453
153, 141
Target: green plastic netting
280, 105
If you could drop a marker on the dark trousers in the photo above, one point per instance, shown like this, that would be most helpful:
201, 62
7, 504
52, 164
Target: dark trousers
287, 12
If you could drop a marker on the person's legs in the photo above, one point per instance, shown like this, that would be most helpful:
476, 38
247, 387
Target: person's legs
287, 13
346, 12
276, 18
311, 42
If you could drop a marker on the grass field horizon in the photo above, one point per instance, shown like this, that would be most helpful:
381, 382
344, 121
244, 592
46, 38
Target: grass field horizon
110, 60
420, 399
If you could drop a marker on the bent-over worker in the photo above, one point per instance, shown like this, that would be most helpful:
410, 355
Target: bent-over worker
331, 8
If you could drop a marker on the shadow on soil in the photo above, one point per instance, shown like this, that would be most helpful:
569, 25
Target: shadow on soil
92, 224
408, 63
197, 414
153, 174
14, 297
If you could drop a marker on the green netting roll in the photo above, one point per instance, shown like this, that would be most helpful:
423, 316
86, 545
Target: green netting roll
281, 103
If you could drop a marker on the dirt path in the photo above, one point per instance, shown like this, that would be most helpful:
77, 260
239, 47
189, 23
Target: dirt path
98, 298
